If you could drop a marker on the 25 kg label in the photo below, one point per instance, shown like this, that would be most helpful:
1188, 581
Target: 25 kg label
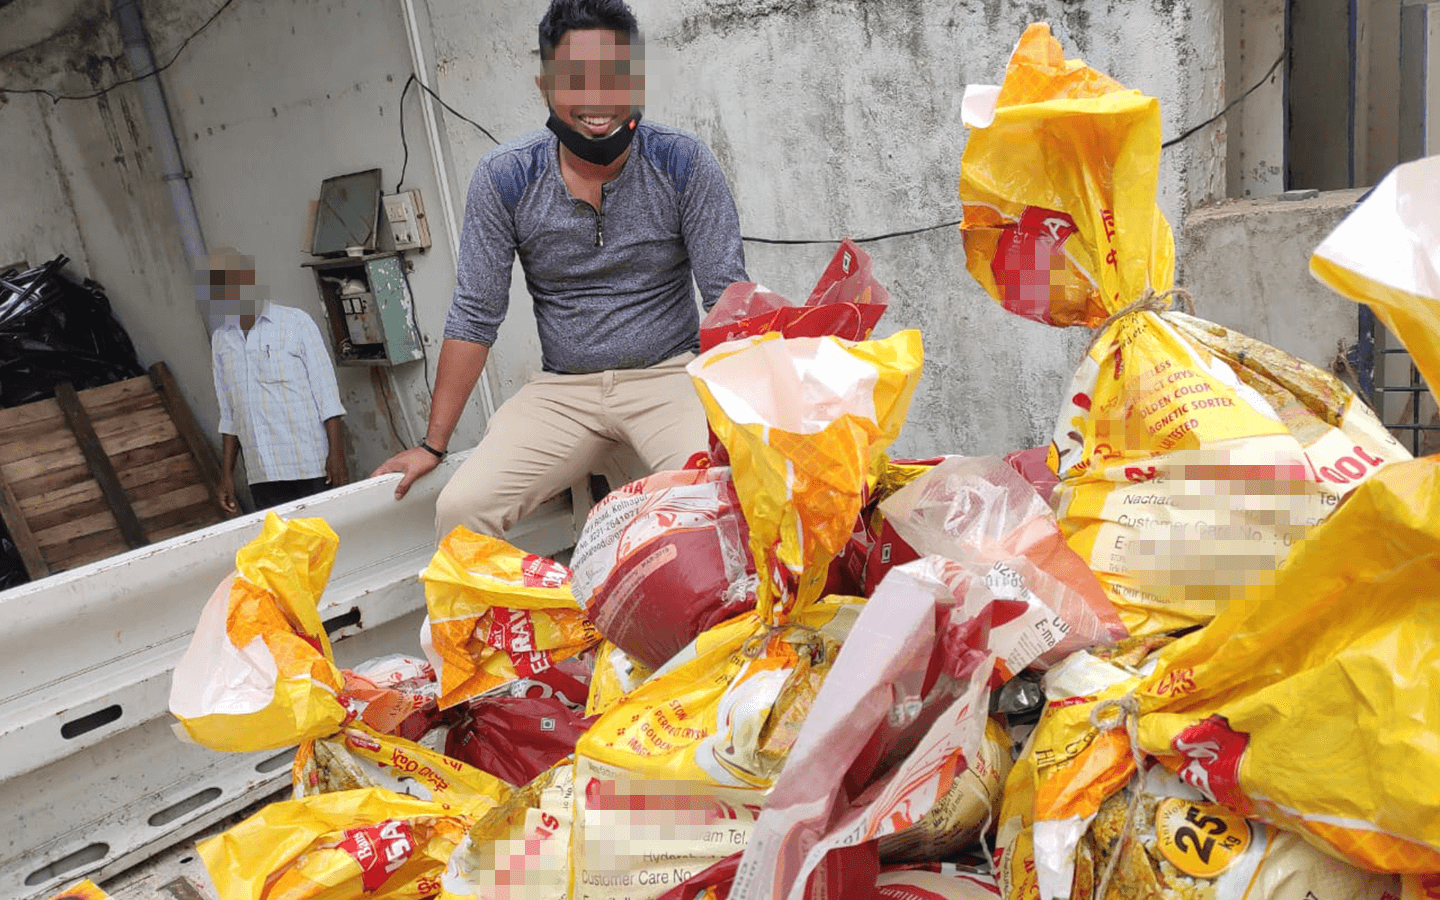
1200, 839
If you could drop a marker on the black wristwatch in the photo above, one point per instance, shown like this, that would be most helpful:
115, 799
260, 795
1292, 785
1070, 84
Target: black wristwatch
438, 454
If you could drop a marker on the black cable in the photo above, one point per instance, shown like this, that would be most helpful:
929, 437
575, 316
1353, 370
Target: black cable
141, 77
1164, 146
405, 146
390, 416
424, 355
864, 240
1231, 105
405, 161
426, 88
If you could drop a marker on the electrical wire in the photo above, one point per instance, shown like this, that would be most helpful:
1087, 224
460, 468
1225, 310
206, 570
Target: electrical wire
424, 355
390, 415
860, 240
1229, 106
141, 77
791, 242
427, 89
404, 145
1165, 145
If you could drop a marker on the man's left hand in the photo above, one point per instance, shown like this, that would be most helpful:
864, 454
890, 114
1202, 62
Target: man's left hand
335, 471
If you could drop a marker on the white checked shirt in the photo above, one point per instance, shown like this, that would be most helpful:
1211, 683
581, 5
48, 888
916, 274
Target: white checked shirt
276, 387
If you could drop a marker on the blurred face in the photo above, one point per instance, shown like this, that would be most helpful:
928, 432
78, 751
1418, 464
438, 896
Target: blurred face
592, 84
230, 282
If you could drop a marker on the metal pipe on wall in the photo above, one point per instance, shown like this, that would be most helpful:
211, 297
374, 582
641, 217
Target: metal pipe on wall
162, 131
442, 175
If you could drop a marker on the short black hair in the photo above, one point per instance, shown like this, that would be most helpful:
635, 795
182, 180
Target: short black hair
582, 15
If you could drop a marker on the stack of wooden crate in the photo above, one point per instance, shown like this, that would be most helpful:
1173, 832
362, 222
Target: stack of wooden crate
94, 473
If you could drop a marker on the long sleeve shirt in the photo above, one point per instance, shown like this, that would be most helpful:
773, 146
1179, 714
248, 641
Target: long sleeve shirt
611, 287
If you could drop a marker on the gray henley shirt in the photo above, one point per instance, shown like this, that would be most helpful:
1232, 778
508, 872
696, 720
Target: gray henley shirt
611, 289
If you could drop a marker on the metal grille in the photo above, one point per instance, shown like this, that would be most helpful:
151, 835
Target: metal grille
1395, 389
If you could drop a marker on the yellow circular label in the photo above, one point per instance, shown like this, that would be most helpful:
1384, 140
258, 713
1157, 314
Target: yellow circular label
1200, 839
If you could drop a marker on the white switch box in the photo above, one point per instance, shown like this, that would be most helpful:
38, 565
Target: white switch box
406, 215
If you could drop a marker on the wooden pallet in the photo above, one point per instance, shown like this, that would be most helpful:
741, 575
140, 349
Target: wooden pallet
91, 474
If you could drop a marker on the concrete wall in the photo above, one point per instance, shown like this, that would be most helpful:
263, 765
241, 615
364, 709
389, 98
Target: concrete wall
1255, 129
830, 117
843, 118
268, 101
283, 96
1248, 267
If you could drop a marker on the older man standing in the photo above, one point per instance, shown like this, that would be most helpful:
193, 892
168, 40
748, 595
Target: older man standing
276, 387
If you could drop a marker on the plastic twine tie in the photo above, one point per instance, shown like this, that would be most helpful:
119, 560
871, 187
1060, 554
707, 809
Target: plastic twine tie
1175, 298
1108, 716
972, 784
806, 636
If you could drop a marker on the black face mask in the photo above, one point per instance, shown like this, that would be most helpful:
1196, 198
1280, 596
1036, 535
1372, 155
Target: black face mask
599, 151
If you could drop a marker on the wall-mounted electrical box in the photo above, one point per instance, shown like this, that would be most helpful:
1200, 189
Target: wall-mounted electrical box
347, 215
369, 309
406, 215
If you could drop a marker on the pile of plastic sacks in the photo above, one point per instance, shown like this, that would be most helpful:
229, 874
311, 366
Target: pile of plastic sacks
1184, 652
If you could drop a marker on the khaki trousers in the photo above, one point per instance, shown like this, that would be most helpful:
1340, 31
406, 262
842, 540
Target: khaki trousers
557, 429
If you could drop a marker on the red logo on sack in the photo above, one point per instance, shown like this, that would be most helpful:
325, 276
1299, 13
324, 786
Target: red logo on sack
379, 849
1029, 253
1213, 751
538, 571
512, 631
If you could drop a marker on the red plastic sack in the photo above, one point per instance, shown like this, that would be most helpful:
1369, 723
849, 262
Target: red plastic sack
980, 510
516, 738
846, 303
902, 712
875, 547
848, 873
394, 695
662, 559
1032, 467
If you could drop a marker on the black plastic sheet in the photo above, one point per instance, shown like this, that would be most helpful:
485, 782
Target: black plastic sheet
53, 329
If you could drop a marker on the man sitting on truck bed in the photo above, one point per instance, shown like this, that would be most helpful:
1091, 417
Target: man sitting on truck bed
611, 215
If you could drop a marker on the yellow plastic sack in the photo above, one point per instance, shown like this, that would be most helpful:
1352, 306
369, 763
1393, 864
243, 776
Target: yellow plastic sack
522, 850
371, 844
806, 422
679, 767
82, 890
1343, 647
258, 674
616, 674
497, 614
1191, 458
1058, 183
1387, 253
1178, 846
704, 721
1343, 440
358, 756
1308, 706
1183, 480
1015, 832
